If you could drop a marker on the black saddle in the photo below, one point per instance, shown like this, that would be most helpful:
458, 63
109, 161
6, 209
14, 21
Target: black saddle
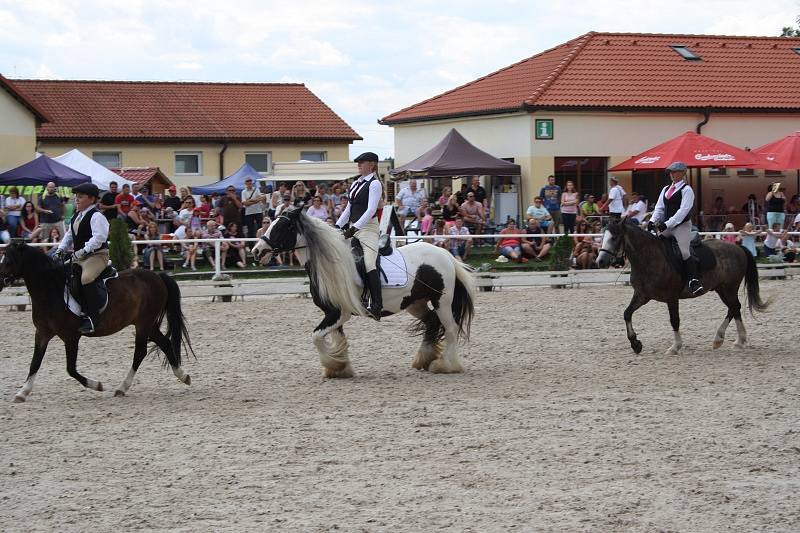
74, 282
701, 254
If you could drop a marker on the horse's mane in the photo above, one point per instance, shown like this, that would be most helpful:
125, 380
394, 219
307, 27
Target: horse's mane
43, 272
332, 266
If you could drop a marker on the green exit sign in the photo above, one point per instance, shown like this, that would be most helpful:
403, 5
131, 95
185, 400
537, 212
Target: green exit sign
544, 128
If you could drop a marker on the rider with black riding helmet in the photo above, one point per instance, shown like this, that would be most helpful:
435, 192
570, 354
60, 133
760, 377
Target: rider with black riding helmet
362, 214
672, 216
88, 236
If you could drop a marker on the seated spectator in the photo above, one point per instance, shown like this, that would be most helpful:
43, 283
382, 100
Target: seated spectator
408, 200
729, 238
153, 252
29, 223
337, 209
774, 241
748, 238
536, 248
540, 213
793, 207
473, 214
335, 198
445, 196
329, 221
183, 193
602, 203
789, 250
318, 209
511, 247
460, 247
440, 231
124, 200
285, 204
236, 248
207, 248
190, 249
637, 208
450, 210
136, 226
205, 206
589, 207
301, 197
53, 238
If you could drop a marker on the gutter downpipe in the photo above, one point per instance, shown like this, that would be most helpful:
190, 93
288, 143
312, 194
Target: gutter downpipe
222, 159
698, 129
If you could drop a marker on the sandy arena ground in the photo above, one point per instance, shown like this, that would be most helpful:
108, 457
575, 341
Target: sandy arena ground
555, 425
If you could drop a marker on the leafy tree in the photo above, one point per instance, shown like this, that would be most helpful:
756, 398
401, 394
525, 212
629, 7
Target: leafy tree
120, 248
789, 31
561, 252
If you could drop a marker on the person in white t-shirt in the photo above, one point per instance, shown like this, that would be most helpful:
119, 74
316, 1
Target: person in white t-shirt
636, 208
615, 196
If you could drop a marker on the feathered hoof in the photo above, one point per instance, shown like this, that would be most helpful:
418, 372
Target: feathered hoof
99, 387
438, 366
336, 373
119, 393
636, 345
19, 399
671, 351
717, 343
187, 380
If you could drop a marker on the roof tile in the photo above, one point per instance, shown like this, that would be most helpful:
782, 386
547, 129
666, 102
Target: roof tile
100, 110
635, 70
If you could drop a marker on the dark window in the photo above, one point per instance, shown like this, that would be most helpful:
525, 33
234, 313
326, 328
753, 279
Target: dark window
745, 172
773, 173
717, 171
685, 52
797, 50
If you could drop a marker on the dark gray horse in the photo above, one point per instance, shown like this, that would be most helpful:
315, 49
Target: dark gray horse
654, 277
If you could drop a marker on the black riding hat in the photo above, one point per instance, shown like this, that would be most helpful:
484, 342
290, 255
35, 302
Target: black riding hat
367, 156
89, 189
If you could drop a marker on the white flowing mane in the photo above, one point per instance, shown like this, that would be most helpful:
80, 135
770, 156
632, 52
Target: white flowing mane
332, 265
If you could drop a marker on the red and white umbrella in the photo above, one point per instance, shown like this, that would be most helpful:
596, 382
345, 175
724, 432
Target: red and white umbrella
697, 151
783, 154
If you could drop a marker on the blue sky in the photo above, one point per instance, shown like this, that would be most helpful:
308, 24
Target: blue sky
365, 59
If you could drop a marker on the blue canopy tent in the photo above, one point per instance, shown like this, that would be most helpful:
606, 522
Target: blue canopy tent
42, 170
236, 180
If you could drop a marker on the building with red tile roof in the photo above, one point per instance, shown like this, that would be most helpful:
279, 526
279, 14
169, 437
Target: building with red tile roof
194, 132
578, 108
151, 177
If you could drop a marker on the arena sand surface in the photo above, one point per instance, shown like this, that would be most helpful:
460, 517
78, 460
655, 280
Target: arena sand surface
555, 425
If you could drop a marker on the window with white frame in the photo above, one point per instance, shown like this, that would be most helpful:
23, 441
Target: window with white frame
108, 159
314, 156
190, 163
261, 161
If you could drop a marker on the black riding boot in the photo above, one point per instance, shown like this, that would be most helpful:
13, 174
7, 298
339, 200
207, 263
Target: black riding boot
375, 296
695, 286
93, 299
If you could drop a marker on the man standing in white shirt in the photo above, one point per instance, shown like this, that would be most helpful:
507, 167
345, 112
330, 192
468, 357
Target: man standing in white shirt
253, 209
615, 196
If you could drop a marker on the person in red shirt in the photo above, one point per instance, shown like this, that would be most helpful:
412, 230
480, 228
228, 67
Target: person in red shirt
511, 247
124, 200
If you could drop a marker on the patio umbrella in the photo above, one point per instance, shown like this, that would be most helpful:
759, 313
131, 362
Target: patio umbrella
697, 151
783, 154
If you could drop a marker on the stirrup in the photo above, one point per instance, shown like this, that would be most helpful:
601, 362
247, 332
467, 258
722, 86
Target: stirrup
698, 287
87, 326
373, 315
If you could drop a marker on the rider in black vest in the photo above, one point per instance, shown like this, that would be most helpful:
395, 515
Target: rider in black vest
672, 216
88, 236
362, 214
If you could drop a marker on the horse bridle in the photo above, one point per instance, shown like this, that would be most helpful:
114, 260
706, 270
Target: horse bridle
278, 250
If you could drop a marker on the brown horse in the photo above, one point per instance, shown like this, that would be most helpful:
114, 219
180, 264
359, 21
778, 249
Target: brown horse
653, 278
137, 297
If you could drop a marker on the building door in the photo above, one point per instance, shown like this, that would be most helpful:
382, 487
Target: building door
648, 183
588, 173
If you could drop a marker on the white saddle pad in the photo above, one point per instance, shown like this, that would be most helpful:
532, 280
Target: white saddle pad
394, 266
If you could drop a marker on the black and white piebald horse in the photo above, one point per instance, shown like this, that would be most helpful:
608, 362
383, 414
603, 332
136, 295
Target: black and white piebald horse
655, 275
439, 292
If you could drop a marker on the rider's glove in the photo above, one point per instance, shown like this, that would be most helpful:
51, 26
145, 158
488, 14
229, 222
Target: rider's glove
63, 255
80, 254
349, 232
662, 227
651, 226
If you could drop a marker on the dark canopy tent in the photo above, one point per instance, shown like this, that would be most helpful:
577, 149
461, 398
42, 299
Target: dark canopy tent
455, 156
236, 180
42, 170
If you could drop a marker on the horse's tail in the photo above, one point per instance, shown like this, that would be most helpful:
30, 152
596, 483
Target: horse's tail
177, 333
754, 302
463, 297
